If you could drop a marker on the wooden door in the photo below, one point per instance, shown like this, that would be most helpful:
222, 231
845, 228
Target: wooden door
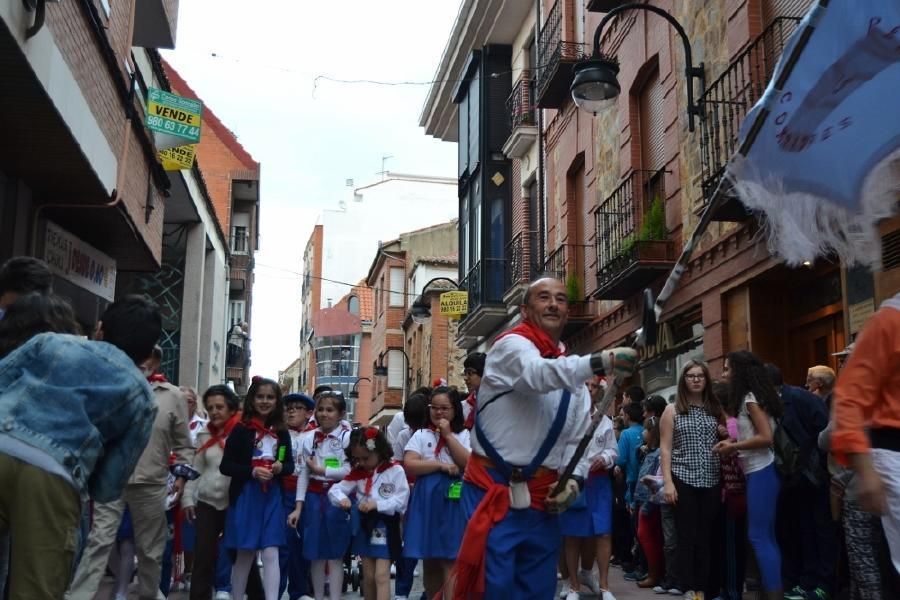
813, 344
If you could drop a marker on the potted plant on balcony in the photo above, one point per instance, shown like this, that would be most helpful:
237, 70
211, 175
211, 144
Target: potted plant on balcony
651, 241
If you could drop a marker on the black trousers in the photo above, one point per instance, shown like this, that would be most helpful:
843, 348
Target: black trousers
808, 537
696, 512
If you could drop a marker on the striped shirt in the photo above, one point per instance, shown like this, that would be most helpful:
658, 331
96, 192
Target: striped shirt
693, 459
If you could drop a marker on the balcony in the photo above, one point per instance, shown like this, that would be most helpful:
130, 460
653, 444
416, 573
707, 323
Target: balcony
237, 279
522, 265
154, 23
569, 264
632, 249
487, 311
604, 5
726, 102
240, 275
523, 117
556, 57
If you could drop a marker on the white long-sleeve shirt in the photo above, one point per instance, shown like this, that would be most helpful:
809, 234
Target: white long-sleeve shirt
328, 453
603, 444
389, 490
518, 422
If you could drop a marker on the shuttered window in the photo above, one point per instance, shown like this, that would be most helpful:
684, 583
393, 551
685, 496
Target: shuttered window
890, 251
651, 124
396, 366
398, 296
773, 9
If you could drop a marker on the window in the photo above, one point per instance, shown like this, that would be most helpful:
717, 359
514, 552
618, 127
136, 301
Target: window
353, 305
396, 369
239, 239
236, 312
398, 280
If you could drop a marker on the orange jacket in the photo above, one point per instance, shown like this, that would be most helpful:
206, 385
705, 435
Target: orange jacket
868, 388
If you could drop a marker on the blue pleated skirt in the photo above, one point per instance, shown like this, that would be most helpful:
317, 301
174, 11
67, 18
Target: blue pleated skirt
257, 519
326, 529
434, 523
372, 544
591, 515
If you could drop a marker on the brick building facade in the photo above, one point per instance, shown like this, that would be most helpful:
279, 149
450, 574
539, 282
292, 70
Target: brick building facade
605, 202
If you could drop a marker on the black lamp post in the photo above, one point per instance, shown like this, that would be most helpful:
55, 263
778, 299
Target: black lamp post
354, 391
380, 370
420, 311
596, 86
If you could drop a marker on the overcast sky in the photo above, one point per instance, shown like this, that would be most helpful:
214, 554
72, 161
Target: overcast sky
255, 64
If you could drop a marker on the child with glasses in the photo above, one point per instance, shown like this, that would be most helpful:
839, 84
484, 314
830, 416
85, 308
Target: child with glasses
436, 455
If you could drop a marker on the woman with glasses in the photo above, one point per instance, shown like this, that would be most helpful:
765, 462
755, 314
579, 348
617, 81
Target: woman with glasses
753, 400
688, 434
436, 455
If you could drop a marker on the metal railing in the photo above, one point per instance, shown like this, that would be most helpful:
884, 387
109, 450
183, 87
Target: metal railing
619, 218
520, 103
727, 100
552, 48
522, 262
567, 260
485, 282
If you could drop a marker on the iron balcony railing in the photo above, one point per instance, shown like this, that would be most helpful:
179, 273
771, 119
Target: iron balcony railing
485, 282
522, 262
728, 99
552, 48
567, 261
619, 219
520, 103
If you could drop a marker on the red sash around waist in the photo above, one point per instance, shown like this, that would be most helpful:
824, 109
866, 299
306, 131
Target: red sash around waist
318, 486
266, 464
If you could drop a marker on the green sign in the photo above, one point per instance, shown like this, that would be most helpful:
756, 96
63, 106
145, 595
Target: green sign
173, 115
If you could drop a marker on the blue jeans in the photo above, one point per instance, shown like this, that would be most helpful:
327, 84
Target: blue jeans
223, 570
762, 496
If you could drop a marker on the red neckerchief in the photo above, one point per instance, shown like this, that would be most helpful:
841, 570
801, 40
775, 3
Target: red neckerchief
157, 378
441, 441
536, 336
218, 436
470, 420
360, 474
321, 435
256, 424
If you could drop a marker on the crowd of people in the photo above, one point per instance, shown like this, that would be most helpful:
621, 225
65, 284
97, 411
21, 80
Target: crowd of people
106, 465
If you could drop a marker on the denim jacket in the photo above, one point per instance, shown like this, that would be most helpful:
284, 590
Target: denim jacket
82, 403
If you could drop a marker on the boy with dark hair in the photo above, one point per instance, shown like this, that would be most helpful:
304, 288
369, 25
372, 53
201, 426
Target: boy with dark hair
78, 416
628, 464
22, 275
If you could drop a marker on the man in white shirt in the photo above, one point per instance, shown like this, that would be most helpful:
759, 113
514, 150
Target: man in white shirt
532, 412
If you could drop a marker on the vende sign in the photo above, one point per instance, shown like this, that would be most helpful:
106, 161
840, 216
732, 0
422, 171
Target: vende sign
79, 263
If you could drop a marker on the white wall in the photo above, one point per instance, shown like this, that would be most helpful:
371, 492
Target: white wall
351, 234
425, 273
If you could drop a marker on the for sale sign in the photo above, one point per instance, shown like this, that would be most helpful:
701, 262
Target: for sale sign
173, 115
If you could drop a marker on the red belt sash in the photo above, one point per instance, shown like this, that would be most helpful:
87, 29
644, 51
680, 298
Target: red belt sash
471, 560
266, 464
289, 483
318, 486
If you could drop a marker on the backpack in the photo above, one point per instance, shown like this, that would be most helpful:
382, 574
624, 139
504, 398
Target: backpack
794, 463
788, 456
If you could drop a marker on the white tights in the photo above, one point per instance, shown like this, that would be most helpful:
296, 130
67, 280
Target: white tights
271, 574
335, 578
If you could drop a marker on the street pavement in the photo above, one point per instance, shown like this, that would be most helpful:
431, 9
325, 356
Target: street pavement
623, 590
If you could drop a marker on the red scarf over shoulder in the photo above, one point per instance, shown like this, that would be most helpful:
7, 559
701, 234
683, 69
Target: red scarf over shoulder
536, 336
218, 436
358, 474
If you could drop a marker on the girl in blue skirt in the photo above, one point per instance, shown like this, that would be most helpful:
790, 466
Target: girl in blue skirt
590, 518
257, 454
380, 490
437, 456
323, 462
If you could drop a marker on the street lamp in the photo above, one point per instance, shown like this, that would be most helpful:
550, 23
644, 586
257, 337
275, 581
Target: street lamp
354, 391
595, 85
420, 311
380, 370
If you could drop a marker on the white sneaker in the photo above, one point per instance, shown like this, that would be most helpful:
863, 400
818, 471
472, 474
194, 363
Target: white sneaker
606, 595
689, 595
222, 596
573, 595
121, 597
399, 597
586, 578
565, 589
305, 597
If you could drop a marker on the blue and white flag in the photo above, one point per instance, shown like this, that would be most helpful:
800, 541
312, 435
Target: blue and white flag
825, 166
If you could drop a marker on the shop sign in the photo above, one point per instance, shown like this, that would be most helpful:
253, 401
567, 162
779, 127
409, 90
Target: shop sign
664, 341
79, 263
173, 115
176, 159
454, 303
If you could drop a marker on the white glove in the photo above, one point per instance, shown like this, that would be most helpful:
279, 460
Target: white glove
564, 499
619, 362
